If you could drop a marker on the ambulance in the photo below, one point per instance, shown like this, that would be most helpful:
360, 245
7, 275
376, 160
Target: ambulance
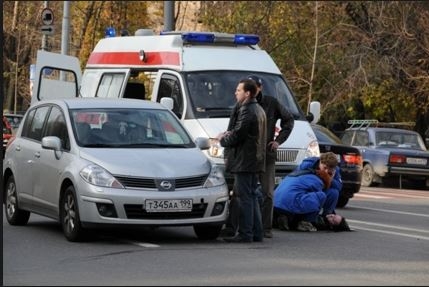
194, 73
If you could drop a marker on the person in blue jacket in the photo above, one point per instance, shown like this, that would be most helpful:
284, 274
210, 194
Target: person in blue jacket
308, 194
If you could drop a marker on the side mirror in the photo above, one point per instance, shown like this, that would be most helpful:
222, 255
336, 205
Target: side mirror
53, 143
315, 111
167, 102
202, 143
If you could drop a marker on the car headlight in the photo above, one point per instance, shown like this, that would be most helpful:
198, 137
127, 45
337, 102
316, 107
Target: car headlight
312, 149
97, 175
215, 150
215, 177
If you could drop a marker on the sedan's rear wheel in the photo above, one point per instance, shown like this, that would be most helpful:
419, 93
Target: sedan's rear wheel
14, 215
69, 216
367, 175
207, 232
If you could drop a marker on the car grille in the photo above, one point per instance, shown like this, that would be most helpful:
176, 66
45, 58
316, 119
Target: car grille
285, 155
150, 183
136, 211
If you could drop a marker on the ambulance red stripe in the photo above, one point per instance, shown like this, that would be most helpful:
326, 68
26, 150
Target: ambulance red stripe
133, 58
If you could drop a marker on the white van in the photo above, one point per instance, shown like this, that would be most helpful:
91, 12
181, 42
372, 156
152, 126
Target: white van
197, 71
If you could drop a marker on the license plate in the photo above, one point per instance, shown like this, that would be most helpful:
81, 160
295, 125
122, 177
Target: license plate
419, 161
168, 205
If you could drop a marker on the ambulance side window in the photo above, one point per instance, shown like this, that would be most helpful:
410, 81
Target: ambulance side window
110, 85
170, 87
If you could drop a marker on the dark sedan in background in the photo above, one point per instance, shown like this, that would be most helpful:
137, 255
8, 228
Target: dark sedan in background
350, 162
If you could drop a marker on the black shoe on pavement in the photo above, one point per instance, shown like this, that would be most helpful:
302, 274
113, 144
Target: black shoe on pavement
237, 239
268, 234
227, 232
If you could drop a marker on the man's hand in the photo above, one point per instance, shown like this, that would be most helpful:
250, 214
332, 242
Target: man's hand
221, 135
273, 145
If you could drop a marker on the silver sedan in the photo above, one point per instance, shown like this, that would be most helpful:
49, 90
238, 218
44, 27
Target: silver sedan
105, 162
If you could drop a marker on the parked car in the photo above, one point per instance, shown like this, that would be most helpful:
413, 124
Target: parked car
390, 155
7, 134
103, 162
14, 121
350, 162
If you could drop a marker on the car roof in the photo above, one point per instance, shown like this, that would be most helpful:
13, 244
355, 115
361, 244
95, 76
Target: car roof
382, 129
80, 103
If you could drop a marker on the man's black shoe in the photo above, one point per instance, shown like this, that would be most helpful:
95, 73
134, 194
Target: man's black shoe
268, 234
227, 232
237, 239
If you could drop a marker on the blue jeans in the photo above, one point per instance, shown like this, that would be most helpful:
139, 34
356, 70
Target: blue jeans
250, 221
328, 205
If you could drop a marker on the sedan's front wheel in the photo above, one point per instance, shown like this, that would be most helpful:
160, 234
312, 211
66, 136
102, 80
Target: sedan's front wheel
69, 216
14, 215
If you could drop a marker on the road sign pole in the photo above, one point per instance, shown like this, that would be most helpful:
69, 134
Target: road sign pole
44, 37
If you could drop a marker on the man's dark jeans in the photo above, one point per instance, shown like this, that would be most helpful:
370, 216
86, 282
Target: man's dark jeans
250, 221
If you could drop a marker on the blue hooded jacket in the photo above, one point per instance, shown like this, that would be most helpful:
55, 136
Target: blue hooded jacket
304, 193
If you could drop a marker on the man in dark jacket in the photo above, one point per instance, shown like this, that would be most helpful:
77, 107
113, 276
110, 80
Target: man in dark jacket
245, 142
274, 111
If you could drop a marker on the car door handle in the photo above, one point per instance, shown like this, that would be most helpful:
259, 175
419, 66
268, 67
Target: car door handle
17, 148
37, 154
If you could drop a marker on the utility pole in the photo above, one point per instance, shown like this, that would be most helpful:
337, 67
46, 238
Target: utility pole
65, 30
169, 16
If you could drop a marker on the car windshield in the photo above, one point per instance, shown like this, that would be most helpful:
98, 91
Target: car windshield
398, 139
213, 92
128, 128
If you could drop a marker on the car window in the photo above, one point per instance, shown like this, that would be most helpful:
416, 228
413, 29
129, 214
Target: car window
361, 138
35, 123
399, 139
169, 87
56, 126
347, 137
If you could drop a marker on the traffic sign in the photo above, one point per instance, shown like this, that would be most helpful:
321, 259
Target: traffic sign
47, 16
47, 29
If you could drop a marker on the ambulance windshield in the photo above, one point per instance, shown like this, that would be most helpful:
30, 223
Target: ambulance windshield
212, 92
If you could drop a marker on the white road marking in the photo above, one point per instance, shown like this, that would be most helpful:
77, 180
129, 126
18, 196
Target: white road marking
395, 233
369, 196
389, 226
391, 211
142, 244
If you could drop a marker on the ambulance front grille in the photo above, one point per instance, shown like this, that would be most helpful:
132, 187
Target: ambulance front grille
286, 155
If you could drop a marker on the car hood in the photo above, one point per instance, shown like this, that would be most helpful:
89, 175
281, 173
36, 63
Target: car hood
166, 163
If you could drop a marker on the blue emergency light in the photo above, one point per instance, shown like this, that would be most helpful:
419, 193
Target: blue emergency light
198, 37
217, 38
246, 39
109, 32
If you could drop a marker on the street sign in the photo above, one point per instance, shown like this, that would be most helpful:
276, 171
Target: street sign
47, 16
47, 29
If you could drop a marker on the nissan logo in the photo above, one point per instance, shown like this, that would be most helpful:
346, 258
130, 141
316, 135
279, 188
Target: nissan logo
165, 184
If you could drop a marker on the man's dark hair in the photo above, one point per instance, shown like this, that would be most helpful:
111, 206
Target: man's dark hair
249, 86
343, 226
